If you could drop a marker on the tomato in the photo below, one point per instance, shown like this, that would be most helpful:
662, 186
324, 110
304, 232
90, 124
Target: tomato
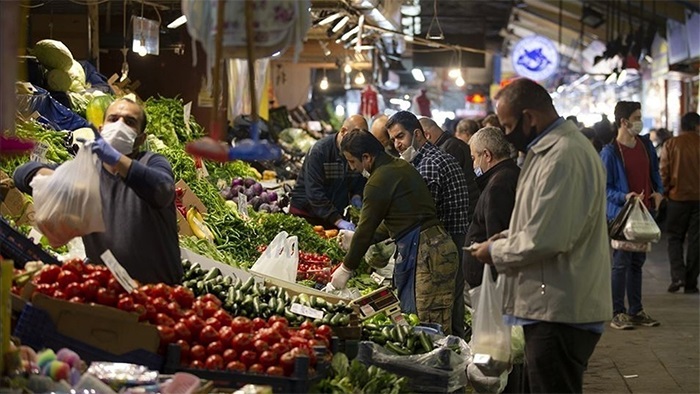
215, 347
106, 297
305, 333
260, 346
298, 342
197, 364
270, 336
150, 312
208, 335
181, 331
60, 294
77, 300
74, 265
325, 331
236, 366
90, 288
275, 371
183, 296
48, 274
287, 361
226, 334
241, 342
241, 324
223, 316
113, 284
256, 368
126, 304
212, 298
307, 324
146, 289
198, 352
268, 358
160, 304
274, 319
160, 290
184, 350
279, 348
230, 355
195, 324
259, 323
214, 361
167, 335
164, 320
139, 297
44, 288
174, 310
319, 341
210, 308
66, 277
212, 321
101, 277
73, 290
248, 357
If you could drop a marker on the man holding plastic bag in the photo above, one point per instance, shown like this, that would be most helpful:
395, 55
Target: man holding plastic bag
554, 255
632, 172
137, 194
398, 204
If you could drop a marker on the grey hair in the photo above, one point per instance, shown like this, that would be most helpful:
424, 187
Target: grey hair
492, 139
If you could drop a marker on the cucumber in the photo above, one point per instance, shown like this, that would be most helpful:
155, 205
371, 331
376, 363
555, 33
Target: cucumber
344, 319
400, 350
237, 283
213, 273
228, 281
335, 320
320, 303
386, 331
380, 339
247, 284
256, 305
425, 342
280, 306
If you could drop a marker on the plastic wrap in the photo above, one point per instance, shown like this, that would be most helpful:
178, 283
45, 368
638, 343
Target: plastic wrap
441, 370
122, 374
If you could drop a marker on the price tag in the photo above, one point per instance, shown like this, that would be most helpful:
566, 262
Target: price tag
39, 152
304, 310
243, 205
118, 271
377, 278
367, 310
35, 235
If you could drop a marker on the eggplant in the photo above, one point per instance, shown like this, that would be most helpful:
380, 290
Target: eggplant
226, 193
272, 196
249, 193
265, 197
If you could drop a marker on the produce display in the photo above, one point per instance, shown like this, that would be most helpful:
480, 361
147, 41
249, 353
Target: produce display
403, 340
256, 196
355, 377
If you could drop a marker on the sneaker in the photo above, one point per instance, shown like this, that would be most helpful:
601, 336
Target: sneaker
642, 319
675, 286
621, 321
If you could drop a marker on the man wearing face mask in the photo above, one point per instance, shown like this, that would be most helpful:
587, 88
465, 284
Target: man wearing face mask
497, 177
447, 184
633, 171
398, 204
138, 195
555, 253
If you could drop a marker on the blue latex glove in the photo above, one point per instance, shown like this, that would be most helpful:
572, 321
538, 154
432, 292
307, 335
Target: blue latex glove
356, 201
105, 151
345, 225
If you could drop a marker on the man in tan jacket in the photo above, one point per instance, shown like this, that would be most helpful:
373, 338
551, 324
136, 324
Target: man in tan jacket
555, 254
680, 174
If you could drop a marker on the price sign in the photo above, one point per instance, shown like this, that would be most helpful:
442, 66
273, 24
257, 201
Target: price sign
118, 271
304, 310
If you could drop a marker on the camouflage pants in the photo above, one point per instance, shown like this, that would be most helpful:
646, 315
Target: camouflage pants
436, 269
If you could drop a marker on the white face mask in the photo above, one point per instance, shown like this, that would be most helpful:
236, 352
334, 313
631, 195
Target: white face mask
120, 136
365, 173
636, 128
410, 153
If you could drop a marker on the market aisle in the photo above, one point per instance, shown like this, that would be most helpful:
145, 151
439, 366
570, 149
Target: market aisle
662, 359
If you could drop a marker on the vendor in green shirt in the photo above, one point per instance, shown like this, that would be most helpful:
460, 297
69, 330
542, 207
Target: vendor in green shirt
397, 203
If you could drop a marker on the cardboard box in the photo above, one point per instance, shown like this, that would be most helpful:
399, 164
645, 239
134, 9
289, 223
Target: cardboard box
189, 199
13, 203
296, 289
105, 328
207, 264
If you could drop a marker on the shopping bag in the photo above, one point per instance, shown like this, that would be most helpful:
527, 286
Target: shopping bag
281, 258
640, 225
616, 226
630, 246
490, 335
67, 203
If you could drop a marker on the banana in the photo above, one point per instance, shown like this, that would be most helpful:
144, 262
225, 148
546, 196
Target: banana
196, 222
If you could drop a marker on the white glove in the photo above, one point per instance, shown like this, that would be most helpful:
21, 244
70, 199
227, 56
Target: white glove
340, 277
344, 239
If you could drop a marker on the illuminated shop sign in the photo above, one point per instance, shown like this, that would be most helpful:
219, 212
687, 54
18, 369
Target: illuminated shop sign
535, 57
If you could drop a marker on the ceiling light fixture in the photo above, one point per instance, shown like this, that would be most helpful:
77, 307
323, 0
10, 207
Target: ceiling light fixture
181, 20
459, 81
441, 35
324, 82
350, 33
418, 75
327, 20
360, 78
340, 24
347, 68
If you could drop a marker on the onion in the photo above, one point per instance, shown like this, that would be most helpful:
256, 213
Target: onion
248, 182
265, 197
237, 181
258, 188
249, 193
255, 202
272, 196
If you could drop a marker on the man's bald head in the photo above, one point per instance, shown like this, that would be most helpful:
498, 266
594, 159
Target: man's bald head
431, 129
379, 130
351, 123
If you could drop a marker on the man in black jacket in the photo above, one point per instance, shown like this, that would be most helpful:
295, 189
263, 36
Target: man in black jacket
497, 178
460, 151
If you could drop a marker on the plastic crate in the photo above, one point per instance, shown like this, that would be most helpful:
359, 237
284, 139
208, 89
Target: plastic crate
35, 329
299, 382
17, 247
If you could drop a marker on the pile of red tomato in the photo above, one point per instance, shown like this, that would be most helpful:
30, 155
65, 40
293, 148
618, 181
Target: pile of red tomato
208, 336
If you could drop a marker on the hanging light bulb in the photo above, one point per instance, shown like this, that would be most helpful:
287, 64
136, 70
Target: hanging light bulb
454, 73
347, 68
360, 78
459, 81
142, 51
324, 82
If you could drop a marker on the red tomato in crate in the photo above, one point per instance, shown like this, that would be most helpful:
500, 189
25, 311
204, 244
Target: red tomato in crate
160, 290
268, 358
90, 288
197, 364
182, 332
174, 310
325, 331
141, 311
184, 350
106, 297
208, 335
241, 324
126, 303
230, 355
256, 368
160, 304
77, 300
223, 316
214, 323
139, 297
167, 334
226, 334
241, 342
164, 320
66, 277
195, 324
210, 308
183, 296
212, 298
73, 290
259, 323
235, 366
248, 357
214, 362
260, 345
215, 347
274, 371
274, 319
47, 275
198, 352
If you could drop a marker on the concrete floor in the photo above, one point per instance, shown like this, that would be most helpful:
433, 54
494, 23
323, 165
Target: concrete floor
663, 359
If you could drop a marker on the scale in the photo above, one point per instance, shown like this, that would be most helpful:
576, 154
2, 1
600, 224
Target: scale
380, 300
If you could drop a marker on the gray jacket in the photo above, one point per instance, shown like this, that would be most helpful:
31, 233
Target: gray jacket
556, 252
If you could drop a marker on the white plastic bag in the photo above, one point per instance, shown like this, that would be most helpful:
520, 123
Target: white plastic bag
640, 225
68, 202
281, 258
490, 336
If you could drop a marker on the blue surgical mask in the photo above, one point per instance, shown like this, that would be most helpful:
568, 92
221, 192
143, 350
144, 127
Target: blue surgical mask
478, 171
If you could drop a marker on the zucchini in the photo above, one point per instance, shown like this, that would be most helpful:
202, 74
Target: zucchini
247, 284
280, 306
425, 342
228, 281
400, 350
386, 331
313, 301
380, 339
344, 319
335, 320
213, 273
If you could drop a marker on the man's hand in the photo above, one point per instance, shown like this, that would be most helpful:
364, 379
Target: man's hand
356, 201
345, 225
340, 277
482, 253
631, 194
344, 239
658, 198
105, 152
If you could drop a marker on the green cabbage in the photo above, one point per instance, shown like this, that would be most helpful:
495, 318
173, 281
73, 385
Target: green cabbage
53, 54
77, 76
58, 80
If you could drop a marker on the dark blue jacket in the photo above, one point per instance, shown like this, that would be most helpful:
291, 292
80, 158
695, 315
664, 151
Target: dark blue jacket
617, 186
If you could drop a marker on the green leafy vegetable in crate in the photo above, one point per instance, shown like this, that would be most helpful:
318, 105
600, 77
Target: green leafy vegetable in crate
354, 377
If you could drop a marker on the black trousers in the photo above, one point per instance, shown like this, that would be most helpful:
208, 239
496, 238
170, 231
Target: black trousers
556, 355
458, 301
682, 223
